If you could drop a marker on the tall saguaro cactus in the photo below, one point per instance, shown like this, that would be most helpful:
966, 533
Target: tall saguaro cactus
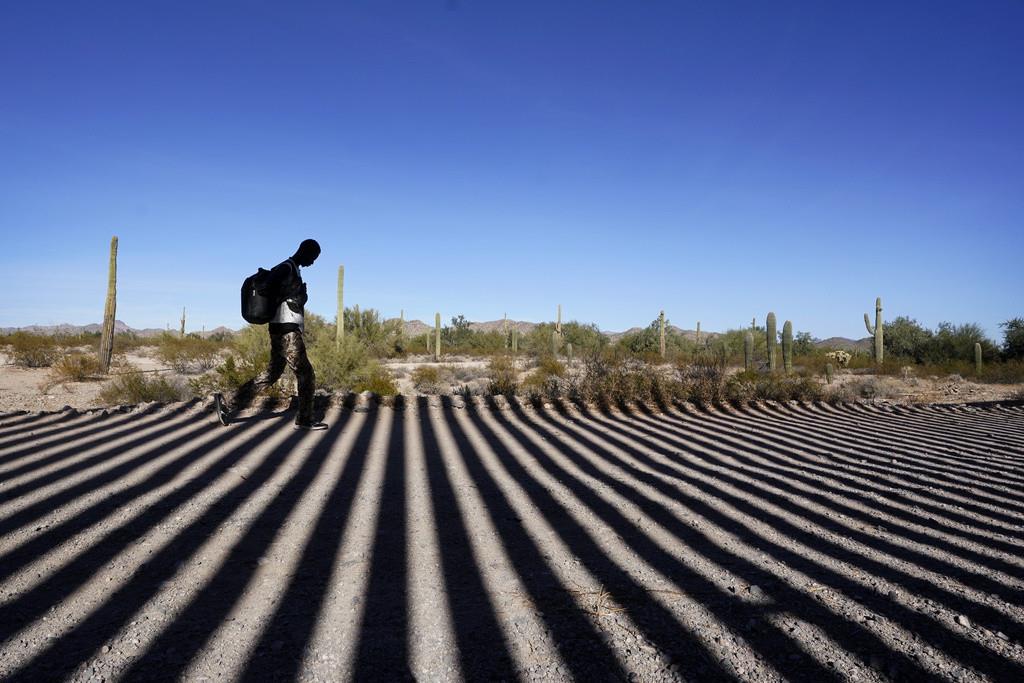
876, 331
339, 334
787, 347
748, 351
504, 329
182, 321
437, 336
771, 337
977, 358
109, 310
698, 333
661, 333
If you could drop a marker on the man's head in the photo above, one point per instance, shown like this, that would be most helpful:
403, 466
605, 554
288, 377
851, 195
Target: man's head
307, 253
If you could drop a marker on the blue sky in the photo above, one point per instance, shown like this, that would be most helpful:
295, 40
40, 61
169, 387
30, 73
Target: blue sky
716, 160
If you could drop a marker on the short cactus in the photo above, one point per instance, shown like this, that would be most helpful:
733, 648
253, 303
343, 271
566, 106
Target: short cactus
748, 352
568, 351
787, 347
828, 372
876, 331
771, 337
109, 311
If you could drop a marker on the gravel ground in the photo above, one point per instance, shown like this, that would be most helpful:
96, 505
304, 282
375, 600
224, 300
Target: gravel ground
441, 540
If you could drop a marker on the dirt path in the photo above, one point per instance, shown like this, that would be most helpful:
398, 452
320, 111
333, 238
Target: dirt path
442, 541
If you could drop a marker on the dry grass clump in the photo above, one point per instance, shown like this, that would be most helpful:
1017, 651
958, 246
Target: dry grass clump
74, 367
135, 387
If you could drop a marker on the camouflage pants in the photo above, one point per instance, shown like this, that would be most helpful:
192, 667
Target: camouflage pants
286, 348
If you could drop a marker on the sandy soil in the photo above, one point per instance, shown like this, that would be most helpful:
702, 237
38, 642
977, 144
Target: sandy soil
442, 540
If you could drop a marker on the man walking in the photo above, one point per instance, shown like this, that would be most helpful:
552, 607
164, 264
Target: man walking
286, 344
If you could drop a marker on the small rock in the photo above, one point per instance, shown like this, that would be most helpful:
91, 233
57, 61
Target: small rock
1002, 636
105, 649
962, 620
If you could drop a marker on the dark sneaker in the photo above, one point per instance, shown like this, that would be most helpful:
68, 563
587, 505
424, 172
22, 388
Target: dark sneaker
223, 414
311, 426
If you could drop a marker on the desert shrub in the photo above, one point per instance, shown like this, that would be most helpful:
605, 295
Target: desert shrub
375, 377
428, 379
503, 378
646, 343
753, 386
188, 354
135, 387
1013, 338
90, 340
338, 367
226, 378
584, 337
33, 350
381, 338
703, 378
544, 381
74, 367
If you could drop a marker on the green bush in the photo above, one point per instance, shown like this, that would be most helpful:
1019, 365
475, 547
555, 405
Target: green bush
188, 354
135, 387
376, 378
1013, 339
32, 350
503, 377
427, 379
646, 343
338, 367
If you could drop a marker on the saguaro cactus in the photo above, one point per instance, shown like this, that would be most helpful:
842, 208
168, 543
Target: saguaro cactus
558, 324
876, 331
182, 321
109, 310
771, 337
554, 342
748, 351
698, 332
339, 334
504, 329
661, 333
753, 323
437, 336
828, 372
401, 323
568, 351
977, 358
787, 347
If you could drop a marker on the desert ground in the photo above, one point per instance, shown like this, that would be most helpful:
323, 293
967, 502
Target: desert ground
445, 538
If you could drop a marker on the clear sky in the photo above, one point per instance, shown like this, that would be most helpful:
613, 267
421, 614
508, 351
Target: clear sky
714, 159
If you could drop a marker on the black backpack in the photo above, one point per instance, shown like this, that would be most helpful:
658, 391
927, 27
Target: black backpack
259, 301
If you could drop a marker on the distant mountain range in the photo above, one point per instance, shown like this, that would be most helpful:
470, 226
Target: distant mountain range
416, 327
95, 328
